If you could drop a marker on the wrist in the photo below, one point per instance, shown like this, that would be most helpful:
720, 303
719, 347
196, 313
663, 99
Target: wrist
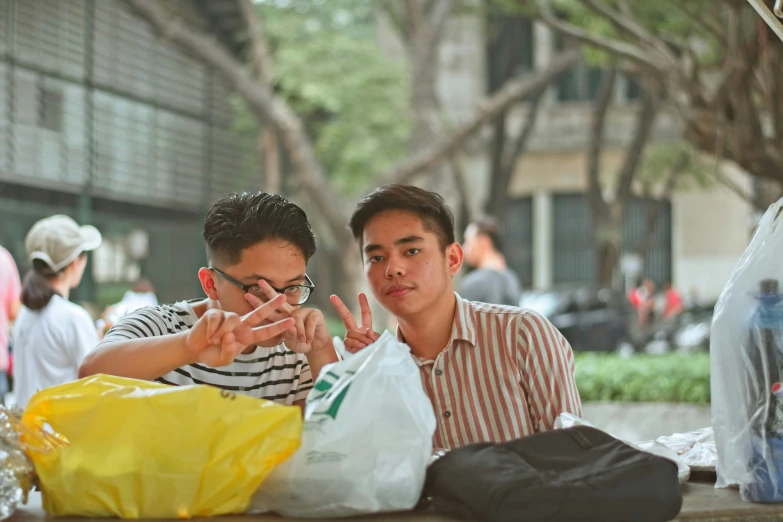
325, 352
183, 355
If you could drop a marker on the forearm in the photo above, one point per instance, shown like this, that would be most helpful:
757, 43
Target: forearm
320, 358
147, 358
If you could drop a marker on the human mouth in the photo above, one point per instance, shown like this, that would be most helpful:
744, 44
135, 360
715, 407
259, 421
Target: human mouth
398, 291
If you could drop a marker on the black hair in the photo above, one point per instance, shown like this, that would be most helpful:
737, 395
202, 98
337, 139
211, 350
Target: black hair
36, 288
241, 220
436, 216
488, 226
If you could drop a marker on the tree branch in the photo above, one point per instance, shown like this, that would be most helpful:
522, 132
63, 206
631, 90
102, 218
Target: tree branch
438, 14
627, 25
390, 9
616, 47
596, 138
260, 57
260, 99
705, 23
644, 125
514, 90
499, 190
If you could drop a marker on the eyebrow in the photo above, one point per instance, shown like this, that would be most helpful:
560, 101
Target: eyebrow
256, 277
403, 241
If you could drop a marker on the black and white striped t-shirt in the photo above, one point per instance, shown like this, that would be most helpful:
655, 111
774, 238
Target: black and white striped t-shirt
276, 374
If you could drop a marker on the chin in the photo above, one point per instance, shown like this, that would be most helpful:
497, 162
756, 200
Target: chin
401, 307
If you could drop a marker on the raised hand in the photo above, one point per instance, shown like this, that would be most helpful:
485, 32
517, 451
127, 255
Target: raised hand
308, 332
219, 336
358, 336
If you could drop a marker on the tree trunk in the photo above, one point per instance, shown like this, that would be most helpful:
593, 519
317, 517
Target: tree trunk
464, 215
498, 202
654, 207
271, 156
608, 232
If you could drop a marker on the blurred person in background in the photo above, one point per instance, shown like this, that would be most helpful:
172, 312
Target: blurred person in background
141, 295
52, 335
672, 301
491, 281
10, 295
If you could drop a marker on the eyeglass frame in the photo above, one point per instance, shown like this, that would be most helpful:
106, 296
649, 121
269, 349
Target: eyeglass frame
246, 288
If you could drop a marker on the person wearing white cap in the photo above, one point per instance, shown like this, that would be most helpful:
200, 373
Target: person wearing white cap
52, 335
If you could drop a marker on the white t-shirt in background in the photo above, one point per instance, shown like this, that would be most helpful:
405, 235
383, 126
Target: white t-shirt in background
49, 345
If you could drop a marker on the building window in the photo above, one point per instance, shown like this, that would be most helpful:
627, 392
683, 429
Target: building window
51, 110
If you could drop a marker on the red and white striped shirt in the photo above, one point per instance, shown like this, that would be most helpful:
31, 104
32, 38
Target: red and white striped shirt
506, 373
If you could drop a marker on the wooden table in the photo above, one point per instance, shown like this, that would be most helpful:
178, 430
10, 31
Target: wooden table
702, 502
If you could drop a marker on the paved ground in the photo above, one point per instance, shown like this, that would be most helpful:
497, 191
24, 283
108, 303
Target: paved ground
637, 422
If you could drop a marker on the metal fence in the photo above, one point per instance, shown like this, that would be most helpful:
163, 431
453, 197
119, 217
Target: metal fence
574, 260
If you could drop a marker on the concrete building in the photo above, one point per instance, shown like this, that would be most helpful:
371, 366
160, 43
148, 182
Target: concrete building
702, 231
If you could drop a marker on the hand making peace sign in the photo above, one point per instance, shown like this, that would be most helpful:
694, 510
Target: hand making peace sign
357, 337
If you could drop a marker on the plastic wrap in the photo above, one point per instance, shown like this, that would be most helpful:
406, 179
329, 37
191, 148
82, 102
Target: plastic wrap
746, 357
696, 448
16, 470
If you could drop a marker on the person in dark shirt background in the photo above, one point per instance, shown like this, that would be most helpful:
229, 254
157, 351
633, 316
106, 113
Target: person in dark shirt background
491, 281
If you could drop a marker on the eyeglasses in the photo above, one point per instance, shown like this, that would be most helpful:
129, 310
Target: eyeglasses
295, 294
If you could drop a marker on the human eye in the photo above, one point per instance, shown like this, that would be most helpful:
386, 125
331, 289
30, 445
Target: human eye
413, 251
375, 259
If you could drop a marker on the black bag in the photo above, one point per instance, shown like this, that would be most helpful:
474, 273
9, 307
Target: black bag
575, 474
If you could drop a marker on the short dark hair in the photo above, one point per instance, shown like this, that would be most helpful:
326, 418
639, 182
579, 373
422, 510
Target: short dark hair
436, 216
241, 220
489, 226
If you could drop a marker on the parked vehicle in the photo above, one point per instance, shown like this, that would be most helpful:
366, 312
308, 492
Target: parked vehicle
590, 319
602, 320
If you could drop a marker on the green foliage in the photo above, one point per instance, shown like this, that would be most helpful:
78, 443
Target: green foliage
673, 21
660, 160
644, 378
330, 70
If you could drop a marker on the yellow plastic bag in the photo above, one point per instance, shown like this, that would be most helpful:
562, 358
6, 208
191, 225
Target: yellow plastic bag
137, 449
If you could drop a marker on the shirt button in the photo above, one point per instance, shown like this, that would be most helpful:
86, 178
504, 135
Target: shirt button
438, 372
447, 414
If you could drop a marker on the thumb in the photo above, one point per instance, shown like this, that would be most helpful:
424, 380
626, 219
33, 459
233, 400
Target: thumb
371, 334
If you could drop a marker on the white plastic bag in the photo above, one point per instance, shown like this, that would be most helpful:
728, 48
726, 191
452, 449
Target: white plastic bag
746, 355
366, 442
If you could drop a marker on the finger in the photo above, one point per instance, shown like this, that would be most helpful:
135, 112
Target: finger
263, 311
213, 325
263, 333
230, 322
228, 349
353, 346
372, 334
311, 323
271, 294
255, 302
344, 313
301, 334
364, 306
360, 336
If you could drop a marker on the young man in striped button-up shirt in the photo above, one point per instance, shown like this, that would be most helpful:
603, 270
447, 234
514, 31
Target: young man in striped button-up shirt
493, 373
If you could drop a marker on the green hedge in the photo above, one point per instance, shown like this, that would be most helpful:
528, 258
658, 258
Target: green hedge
643, 378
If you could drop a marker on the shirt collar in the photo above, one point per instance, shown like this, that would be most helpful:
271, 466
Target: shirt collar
464, 326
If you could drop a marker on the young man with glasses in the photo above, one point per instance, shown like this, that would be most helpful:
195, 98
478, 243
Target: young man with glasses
251, 334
